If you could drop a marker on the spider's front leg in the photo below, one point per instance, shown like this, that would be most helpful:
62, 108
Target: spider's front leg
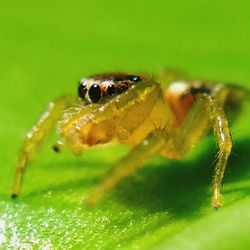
222, 133
36, 136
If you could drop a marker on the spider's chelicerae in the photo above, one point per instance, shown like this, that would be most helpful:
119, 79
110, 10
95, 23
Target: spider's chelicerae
137, 111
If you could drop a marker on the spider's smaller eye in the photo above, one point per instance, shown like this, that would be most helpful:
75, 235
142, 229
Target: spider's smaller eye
134, 78
121, 88
111, 90
94, 93
119, 79
82, 90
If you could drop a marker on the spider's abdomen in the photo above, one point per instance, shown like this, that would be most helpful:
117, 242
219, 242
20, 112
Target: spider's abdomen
181, 95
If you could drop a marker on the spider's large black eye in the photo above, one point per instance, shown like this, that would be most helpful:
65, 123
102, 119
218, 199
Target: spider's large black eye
94, 93
134, 78
82, 90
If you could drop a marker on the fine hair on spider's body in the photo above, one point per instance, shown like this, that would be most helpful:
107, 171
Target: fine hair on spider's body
137, 111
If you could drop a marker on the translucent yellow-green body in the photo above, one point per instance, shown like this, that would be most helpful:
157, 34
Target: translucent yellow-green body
137, 111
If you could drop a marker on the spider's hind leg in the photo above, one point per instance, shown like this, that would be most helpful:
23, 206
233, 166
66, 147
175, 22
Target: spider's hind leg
169, 75
36, 136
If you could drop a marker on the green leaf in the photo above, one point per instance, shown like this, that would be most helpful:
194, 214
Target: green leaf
45, 49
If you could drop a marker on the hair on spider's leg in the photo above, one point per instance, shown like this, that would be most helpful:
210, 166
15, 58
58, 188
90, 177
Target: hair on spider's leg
167, 126
160, 125
216, 157
153, 123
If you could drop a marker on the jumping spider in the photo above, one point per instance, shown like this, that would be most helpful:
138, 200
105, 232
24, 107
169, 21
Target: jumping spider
137, 111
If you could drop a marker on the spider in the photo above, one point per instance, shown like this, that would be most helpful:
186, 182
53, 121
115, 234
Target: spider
137, 111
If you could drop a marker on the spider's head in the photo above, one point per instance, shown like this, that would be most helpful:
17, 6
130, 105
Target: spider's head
112, 106
95, 88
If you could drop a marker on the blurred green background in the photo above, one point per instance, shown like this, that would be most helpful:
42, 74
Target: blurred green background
45, 48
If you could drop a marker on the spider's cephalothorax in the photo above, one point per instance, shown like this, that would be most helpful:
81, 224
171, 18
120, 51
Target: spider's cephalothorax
96, 87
